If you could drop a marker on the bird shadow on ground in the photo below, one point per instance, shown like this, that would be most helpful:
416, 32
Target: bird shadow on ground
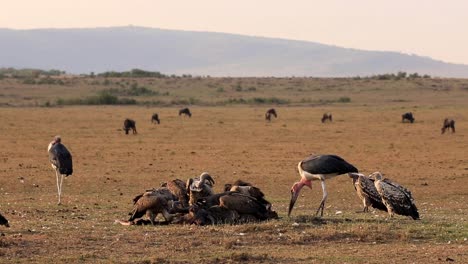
315, 220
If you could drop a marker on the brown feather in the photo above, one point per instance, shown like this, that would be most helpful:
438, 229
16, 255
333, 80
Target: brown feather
178, 189
151, 206
396, 198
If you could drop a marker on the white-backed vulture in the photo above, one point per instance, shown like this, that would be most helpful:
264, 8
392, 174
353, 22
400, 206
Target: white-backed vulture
199, 187
244, 204
151, 206
178, 189
248, 189
366, 192
395, 197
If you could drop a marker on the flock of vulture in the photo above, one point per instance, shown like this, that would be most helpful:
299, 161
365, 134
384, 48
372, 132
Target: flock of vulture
194, 201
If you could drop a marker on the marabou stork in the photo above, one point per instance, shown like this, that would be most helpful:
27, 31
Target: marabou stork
61, 160
319, 167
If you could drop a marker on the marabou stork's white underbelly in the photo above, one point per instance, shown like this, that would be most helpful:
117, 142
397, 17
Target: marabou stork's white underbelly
318, 177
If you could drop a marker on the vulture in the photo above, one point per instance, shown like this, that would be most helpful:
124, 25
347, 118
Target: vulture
247, 189
244, 204
151, 206
395, 197
199, 187
179, 190
366, 191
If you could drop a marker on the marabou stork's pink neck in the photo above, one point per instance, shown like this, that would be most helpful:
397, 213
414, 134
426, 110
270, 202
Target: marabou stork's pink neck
298, 185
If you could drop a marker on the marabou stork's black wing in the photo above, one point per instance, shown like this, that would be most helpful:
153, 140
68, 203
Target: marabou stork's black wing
61, 158
327, 164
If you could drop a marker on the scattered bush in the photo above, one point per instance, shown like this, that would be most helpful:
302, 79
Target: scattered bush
103, 98
135, 90
344, 99
255, 100
134, 73
391, 76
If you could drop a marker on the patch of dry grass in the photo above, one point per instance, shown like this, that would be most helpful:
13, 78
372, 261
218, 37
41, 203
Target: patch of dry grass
236, 143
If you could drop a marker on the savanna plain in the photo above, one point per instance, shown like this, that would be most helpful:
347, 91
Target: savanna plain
228, 137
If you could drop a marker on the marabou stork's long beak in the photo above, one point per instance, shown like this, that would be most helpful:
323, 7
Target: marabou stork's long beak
295, 189
294, 196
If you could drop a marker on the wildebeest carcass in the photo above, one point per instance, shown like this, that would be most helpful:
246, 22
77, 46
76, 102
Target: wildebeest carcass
366, 191
155, 118
395, 197
448, 124
4, 221
130, 124
247, 189
199, 187
230, 208
271, 112
185, 111
327, 116
407, 116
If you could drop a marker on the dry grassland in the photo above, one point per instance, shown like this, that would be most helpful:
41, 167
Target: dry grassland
235, 142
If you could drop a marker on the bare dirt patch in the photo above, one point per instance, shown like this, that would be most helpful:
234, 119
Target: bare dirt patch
232, 143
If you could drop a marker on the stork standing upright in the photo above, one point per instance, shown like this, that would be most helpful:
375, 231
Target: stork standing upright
319, 167
61, 160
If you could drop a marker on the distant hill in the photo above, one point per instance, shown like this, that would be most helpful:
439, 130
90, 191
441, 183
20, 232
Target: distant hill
200, 53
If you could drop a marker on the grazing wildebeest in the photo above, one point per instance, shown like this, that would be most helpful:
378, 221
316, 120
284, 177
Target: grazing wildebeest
407, 116
4, 221
448, 123
130, 124
155, 118
326, 116
185, 111
269, 113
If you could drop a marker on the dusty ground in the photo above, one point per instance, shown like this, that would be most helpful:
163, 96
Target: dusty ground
233, 143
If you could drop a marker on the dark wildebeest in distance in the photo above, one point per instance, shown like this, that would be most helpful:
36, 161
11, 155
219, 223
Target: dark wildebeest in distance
4, 221
448, 124
327, 116
407, 116
269, 113
185, 111
155, 118
130, 124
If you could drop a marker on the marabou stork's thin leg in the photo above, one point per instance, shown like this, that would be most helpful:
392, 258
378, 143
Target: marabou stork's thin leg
61, 186
58, 185
324, 198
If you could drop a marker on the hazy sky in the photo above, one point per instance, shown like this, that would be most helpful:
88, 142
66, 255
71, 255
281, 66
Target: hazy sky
438, 29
